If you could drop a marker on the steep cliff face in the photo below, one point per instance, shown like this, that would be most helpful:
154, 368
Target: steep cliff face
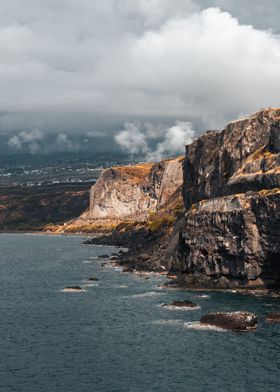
232, 195
213, 159
133, 192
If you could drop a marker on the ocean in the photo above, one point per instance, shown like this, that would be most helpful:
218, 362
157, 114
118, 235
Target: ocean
114, 335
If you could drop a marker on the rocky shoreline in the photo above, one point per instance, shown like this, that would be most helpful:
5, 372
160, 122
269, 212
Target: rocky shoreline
226, 235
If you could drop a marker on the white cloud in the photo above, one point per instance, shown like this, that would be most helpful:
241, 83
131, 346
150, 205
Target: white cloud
29, 139
175, 139
134, 139
141, 58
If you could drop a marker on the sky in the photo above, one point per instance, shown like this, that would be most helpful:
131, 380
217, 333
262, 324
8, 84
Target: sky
144, 75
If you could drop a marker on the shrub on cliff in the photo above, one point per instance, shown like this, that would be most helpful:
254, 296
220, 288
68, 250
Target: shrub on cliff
160, 222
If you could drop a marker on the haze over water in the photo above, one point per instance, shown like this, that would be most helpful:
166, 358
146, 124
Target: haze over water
114, 336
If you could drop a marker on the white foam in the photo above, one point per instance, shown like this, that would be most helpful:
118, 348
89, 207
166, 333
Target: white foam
87, 261
202, 327
91, 285
201, 296
146, 294
168, 322
172, 307
120, 286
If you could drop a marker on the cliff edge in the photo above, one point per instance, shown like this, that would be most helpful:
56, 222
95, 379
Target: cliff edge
229, 235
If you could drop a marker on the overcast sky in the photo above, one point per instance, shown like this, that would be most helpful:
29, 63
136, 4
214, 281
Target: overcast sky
95, 68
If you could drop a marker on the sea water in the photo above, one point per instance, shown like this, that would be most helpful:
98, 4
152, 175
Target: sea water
114, 336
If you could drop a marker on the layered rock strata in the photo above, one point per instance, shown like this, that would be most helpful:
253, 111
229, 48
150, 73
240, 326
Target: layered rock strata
133, 192
230, 232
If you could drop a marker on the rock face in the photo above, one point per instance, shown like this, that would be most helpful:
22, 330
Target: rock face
230, 232
133, 192
235, 321
228, 236
217, 160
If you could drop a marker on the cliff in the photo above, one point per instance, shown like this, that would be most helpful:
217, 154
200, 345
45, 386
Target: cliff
216, 163
229, 235
134, 192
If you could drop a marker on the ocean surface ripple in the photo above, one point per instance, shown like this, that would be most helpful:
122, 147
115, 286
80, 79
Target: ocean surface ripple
114, 336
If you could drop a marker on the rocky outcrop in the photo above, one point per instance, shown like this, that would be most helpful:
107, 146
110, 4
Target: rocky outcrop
234, 321
230, 232
228, 235
133, 192
235, 237
214, 161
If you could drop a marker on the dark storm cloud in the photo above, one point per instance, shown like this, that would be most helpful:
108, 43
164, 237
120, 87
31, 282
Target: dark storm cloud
96, 61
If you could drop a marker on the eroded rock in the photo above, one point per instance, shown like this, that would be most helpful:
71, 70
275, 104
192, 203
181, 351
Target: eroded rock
235, 321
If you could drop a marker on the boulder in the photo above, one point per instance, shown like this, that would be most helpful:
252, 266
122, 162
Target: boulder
235, 321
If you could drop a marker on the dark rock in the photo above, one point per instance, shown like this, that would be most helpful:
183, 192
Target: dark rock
182, 304
127, 269
73, 288
230, 232
87, 242
215, 157
93, 279
144, 257
273, 317
112, 258
103, 257
235, 321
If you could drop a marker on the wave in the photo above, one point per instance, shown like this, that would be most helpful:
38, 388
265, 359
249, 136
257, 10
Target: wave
177, 322
146, 294
119, 286
91, 285
202, 327
171, 307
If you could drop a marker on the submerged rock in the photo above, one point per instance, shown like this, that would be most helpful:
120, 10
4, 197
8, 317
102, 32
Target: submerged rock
93, 279
182, 304
273, 317
72, 289
235, 321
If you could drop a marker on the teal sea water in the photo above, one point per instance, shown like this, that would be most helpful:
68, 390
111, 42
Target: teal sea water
114, 336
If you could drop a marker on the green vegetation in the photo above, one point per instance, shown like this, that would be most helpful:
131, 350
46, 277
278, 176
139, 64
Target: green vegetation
158, 222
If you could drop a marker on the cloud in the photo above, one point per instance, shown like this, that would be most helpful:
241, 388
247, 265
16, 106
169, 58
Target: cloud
65, 144
135, 137
31, 140
142, 59
174, 142
36, 142
132, 139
